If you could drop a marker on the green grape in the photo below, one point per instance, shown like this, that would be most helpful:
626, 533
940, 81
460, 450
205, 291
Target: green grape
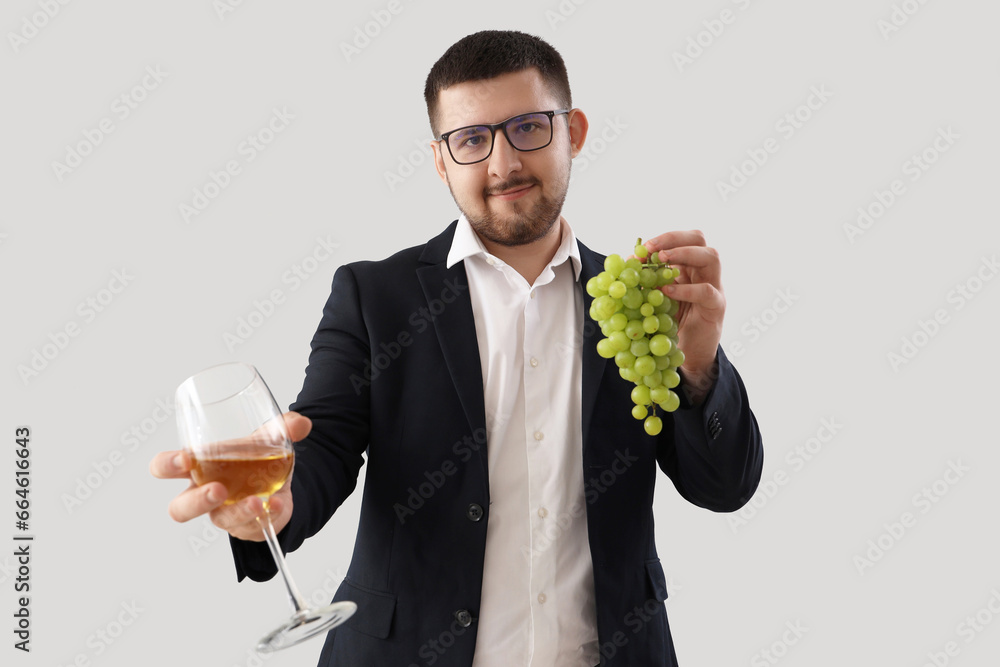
660, 345
614, 264
624, 359
640, 330
640, 395
632, 299
629, 276
605, 348
594, 289
634, 329
604, 280
619, 341
644, 365
640, 347
604, 306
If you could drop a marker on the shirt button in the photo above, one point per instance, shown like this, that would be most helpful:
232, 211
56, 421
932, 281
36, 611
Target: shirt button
539, 435
541, 598
463, 617
542, 512
489, 260
474, 512
532, 294
533, 362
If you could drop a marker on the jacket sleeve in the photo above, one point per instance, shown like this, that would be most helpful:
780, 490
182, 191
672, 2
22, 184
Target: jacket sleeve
335, 397
714, 455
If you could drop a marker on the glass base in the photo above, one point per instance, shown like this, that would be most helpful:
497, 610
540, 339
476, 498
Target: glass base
305, 624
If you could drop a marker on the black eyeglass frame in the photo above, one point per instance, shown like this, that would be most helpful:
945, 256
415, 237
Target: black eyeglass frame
502, 125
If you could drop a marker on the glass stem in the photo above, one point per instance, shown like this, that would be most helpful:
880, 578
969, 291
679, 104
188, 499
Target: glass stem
272, 542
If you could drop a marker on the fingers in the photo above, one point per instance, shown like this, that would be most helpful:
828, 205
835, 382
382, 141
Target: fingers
698, 257
298, 426
675, 239
240, 519
703, 294
171, 465
196, 500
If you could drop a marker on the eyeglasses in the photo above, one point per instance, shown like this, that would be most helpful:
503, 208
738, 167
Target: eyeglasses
525, 132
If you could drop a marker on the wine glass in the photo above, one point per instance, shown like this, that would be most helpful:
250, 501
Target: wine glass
235, 433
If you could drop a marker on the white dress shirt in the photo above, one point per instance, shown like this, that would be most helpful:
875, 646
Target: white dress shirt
538, 582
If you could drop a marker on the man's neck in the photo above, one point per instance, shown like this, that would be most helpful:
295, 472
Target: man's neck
530, 259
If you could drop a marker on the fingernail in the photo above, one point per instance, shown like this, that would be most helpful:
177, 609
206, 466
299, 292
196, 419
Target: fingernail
212, 495
179, 461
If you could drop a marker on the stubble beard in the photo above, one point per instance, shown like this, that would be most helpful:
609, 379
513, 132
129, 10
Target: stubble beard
521, 227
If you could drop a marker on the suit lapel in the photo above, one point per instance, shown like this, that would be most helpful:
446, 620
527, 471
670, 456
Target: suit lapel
593, 364
447, 294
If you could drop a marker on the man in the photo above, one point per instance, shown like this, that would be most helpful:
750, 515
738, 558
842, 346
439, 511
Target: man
507, 509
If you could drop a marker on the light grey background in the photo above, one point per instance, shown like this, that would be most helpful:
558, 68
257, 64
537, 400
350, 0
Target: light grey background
670, 134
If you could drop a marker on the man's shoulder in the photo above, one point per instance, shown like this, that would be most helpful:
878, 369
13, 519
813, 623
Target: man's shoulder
434, 251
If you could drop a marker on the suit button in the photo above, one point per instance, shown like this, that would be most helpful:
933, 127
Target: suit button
463, 617
474, 512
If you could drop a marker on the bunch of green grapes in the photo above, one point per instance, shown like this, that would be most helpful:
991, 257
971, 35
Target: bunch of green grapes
640, 333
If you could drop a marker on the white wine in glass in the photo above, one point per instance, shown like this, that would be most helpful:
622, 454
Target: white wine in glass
231, 426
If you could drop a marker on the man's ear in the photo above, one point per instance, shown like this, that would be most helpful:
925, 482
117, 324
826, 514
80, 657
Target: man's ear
578, 126
439, 161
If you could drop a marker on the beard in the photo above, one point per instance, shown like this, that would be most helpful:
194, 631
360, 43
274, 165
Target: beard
522, 226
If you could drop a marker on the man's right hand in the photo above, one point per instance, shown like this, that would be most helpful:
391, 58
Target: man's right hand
238, 519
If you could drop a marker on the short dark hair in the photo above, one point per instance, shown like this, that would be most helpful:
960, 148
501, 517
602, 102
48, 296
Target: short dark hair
490, 53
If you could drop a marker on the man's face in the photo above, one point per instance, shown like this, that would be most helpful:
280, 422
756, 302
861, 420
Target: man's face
512, 198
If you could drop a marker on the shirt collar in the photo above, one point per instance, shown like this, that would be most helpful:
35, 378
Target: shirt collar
466, 243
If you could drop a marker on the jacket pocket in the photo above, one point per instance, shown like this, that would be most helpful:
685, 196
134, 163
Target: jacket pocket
657, 582
375, 609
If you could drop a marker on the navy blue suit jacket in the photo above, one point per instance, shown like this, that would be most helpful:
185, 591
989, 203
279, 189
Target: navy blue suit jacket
395, 374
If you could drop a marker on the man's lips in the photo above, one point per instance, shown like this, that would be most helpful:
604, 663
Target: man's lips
513, 193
